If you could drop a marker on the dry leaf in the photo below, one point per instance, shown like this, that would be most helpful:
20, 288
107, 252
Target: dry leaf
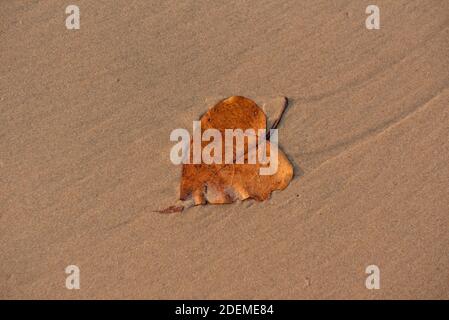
225, 183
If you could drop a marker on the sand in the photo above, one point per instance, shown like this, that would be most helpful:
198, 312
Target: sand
85, 119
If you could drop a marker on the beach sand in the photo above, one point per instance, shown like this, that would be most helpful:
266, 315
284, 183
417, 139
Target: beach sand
85, 119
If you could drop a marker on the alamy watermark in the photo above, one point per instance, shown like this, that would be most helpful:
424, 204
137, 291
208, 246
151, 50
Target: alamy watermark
72, 22
373, 280
73, 279
212, 153
372, 22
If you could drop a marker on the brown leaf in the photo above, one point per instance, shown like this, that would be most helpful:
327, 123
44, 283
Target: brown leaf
226, 183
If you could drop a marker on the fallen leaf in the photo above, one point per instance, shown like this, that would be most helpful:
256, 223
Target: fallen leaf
226, 183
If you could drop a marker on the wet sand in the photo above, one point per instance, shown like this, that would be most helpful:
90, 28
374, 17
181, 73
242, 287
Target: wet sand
85, 119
